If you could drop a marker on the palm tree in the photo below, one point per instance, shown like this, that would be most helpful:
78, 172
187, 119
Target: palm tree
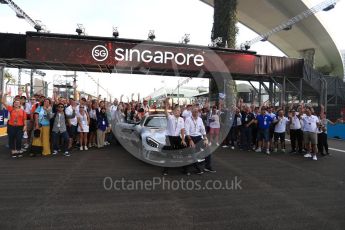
8, 77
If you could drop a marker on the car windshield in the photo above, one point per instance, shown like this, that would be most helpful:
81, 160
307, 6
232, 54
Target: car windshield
156, 122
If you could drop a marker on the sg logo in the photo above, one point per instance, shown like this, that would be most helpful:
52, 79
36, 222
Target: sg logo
99, 53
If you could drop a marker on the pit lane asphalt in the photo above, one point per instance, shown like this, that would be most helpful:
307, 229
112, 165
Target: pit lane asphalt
278, 192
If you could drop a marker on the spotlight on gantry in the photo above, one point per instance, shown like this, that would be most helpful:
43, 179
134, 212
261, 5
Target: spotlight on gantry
289, 27
185, 39
115, 32
245, 46
329, 7
152, 35
265, 38
80, 29
218, 42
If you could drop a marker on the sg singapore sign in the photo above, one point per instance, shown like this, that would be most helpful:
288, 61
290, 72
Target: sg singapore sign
101, 53
134, 54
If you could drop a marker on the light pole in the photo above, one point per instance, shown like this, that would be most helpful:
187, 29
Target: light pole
74, 76
178, 92
31, 83
2, 72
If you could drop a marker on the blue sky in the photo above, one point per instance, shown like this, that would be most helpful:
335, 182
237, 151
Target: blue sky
170, 19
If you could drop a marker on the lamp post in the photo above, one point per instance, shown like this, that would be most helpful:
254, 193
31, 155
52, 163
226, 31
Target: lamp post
2, 72
178, 91
31, 83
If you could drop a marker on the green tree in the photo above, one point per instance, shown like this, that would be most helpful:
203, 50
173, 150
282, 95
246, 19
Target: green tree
224, 22
224, 26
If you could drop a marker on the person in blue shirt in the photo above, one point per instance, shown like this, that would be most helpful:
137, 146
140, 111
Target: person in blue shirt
43, 114
263, 121
102, 125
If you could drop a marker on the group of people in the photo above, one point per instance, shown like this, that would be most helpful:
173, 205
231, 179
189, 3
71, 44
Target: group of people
51, 125
264, 129
187, 130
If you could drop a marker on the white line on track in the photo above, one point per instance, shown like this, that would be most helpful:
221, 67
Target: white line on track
338, 150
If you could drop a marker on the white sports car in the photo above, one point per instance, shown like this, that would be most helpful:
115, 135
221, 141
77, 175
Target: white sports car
146, 140
143, 139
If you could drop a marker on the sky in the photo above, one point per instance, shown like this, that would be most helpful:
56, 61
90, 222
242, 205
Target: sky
134, 18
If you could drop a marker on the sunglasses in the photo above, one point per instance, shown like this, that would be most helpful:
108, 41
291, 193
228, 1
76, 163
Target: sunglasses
60, 106
81, 107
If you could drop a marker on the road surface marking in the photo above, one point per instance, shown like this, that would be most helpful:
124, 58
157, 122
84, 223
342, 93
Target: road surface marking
338, 150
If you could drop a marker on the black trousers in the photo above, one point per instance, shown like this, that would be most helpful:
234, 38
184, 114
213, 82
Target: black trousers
296, 135
254, 135
175, 144
198, 142
322, 142
15, 136
227, 138
234, 135
246, 137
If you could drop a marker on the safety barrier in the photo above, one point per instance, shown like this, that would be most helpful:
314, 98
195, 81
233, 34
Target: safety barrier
336, 131
3, 131
3, 118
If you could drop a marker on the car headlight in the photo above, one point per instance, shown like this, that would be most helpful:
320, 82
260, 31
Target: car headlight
151, 142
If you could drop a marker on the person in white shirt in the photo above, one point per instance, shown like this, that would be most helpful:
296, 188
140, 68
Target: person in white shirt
93, 124
196, 137
113, 108
214, 126
83, 127
73, 122
187, 112
29, 121
296, 133
175, 130
82, 103
146, 107
310, 125
280, 123
322, 134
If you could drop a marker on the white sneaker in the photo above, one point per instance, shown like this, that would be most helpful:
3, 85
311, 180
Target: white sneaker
258, 150
26, 146
275, 150
81, 148
55, 152
85, 147
267, 151
283, 150
308, 155
315, 158
209, 144
232, 147
225, 146
217, 144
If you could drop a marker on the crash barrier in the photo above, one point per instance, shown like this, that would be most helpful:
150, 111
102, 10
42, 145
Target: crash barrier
336, 131
3, 127
3, 131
